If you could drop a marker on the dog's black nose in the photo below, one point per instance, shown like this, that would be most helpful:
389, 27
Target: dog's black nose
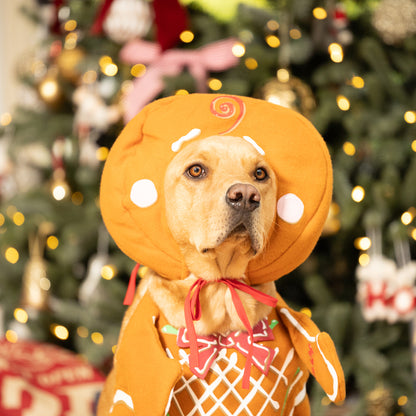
243, 197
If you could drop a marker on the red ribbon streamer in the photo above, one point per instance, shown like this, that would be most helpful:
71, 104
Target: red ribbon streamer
131, 288
193, 313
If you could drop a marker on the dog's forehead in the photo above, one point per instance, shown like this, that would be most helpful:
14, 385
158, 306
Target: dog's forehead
220, 146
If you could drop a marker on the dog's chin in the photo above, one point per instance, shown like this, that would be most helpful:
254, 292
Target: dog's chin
244, 235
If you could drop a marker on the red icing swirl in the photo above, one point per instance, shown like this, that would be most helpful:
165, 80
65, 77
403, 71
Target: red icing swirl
227, 107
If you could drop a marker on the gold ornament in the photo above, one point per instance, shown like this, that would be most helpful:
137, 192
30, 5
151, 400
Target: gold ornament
36, 284
395, 20
289, 91
379, 402
68, 61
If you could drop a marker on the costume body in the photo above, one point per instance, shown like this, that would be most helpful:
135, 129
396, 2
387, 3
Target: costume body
153, 375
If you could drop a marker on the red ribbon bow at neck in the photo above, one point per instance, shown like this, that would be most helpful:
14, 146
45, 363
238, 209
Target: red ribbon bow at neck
198, 356
210, 346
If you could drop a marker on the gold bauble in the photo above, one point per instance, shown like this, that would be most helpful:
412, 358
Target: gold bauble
68, 63
290, 92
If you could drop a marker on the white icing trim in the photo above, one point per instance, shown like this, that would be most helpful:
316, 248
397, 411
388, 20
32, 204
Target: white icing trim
121, 396
297, 325
176, 146
330, 367
256, 146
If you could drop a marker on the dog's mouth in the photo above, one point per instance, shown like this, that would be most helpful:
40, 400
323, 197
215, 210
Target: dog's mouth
239, 230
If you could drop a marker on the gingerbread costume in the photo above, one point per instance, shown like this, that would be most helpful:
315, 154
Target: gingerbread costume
155, 372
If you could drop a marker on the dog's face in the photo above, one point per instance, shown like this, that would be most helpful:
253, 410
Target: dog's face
220, 201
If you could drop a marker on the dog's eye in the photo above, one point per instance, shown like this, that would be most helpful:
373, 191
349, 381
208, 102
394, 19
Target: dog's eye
261, 174
196, 171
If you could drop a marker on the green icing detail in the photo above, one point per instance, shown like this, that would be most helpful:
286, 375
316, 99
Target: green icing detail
273, 323
169, 329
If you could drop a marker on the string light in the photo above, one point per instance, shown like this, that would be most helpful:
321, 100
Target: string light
89, 77
142, 271
273, 41
77, 198
70, 25
413, 233
357, 82
11, 336
283, 75
138, 70
251, 63
319, 13
52, 242
343, 103
71, 40
348, 148
82, 332
11, 255
336, 52
59, 192
114, 348
215, 84
45, 283
97, 338
20, 315
2, 219
402, 400
108, 271
5, 119
238, 49
186, 36
410, 117
181, 92
272, 25
406, 218
364, 259
295, 34
362, 243
18, 218
102, 153
307, 312
48, 89
413, 145
59, 331
358, 194
110, 70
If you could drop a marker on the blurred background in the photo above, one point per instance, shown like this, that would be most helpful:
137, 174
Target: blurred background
73, 72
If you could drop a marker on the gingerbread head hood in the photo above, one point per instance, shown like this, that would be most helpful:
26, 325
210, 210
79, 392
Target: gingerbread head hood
132, 199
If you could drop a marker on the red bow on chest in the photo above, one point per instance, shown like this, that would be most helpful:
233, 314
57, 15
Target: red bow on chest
210, 346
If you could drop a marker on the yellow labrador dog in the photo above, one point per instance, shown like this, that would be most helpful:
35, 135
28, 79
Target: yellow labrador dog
221, 197
217, 219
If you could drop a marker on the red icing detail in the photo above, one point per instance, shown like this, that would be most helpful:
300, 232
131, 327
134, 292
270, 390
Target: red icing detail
227, 106
311, 359
209, 347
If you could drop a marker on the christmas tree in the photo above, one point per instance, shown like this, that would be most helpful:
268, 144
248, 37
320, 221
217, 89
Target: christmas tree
349, 66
